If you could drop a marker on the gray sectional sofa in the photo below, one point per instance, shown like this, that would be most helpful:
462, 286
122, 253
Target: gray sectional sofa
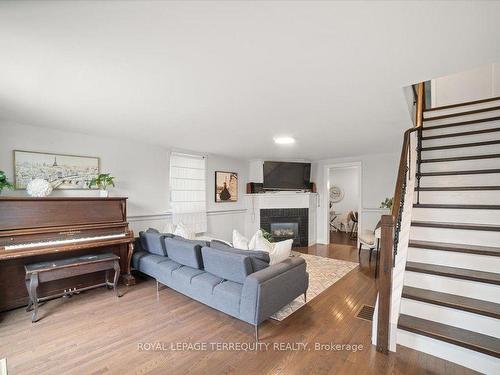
240, 283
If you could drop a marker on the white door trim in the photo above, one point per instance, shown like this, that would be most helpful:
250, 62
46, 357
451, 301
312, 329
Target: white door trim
326, 191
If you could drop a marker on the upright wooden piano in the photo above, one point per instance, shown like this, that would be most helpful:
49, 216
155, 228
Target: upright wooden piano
43, 229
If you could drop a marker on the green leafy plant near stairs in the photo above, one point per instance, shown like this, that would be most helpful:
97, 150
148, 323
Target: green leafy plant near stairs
387, 203
4, 183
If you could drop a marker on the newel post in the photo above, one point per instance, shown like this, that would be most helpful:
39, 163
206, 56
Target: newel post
385, 283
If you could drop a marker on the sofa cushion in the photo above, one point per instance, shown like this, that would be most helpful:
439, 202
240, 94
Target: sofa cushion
185, 274
163, 271
185, 252
153, 242
216, 244
205, 282
148, 263
227, 264
260, 259
227, 296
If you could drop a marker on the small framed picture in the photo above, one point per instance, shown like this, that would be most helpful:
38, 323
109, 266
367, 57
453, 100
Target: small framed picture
226, 186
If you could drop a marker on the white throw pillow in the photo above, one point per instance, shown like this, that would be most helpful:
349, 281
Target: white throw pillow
242, 243
239, 240
278, 251
281, 251
169, 228
184, 231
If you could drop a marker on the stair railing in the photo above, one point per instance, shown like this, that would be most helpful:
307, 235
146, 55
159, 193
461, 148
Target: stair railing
391, 226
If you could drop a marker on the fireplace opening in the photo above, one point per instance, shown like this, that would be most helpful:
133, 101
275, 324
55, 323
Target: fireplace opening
286, 231
286, 223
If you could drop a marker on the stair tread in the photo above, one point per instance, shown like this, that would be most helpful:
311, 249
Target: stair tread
461, 134
459, 206
456, 188
460, 158
461, 123
453, 173
460, 248
454, 272
467, 226
453, 335
472, 102
472, 305
462, 145
463, 113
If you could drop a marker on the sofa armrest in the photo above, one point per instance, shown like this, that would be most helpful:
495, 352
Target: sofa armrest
268, 290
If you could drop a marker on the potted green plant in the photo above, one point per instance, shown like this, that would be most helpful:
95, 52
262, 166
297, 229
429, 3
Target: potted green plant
387, 203
4, 183
102, 181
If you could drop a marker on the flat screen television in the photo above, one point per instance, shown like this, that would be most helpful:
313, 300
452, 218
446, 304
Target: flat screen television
286, 175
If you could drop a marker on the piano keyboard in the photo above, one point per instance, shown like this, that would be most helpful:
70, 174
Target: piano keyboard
62, 242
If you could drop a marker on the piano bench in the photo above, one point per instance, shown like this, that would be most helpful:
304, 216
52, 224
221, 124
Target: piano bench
37, 273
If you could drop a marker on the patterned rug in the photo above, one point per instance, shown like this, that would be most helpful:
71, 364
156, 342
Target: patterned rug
323, 273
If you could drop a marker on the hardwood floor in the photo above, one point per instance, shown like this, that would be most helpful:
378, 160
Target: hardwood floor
96, 333
342, 238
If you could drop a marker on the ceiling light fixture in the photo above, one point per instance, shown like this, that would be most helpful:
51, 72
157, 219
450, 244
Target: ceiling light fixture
284, 140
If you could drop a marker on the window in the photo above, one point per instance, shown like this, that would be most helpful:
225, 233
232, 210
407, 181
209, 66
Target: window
188, 191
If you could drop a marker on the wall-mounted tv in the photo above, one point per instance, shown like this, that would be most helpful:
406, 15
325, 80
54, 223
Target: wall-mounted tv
286, 175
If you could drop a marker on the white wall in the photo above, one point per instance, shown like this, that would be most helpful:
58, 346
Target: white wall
378, 180
141, 172
478, 83
347, 180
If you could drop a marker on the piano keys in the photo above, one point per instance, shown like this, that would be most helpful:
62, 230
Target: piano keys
43, 229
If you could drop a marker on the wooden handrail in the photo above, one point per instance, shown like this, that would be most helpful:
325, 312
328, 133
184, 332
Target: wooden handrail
390, 225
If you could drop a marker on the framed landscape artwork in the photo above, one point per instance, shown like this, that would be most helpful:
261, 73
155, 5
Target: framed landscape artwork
62, 171
226, 186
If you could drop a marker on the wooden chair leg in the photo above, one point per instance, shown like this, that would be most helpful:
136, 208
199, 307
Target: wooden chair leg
377, 259
359, 253
371, 251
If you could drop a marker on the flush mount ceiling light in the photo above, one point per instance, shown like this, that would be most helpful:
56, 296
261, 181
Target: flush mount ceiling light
284, 140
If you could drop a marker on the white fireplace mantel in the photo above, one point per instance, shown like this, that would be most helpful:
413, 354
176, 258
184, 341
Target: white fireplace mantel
257, 202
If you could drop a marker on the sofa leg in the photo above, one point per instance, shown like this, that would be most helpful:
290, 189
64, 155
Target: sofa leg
256, 333
305, 297
157, 290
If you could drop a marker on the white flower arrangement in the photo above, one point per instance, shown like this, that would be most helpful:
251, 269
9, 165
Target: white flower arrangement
39, 188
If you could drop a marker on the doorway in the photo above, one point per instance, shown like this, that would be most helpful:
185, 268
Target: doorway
344, 203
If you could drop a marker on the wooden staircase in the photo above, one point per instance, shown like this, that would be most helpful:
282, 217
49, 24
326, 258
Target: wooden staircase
450, 303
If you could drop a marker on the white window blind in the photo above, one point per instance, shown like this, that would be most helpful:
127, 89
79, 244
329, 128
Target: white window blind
188, 191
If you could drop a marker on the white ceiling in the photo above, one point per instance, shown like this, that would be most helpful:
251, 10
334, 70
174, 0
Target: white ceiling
226, 77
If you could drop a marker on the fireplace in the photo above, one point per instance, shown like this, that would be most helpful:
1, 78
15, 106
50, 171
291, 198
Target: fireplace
286, 223
284, 230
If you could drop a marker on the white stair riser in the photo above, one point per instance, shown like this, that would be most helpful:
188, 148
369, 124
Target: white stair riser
486, 263
451, 120
462, 108
461, 128
465, 288
468, 358
463, 165
460, 140
452, 317
489, 179
456, 215
469, 237
461, 197
462, 151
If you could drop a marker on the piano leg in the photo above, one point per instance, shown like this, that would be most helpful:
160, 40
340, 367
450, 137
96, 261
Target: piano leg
128, 279
33, 295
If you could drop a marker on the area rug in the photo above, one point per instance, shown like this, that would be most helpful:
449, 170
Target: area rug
323, 273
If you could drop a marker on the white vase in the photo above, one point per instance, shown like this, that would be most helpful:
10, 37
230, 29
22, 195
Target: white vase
103, 193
